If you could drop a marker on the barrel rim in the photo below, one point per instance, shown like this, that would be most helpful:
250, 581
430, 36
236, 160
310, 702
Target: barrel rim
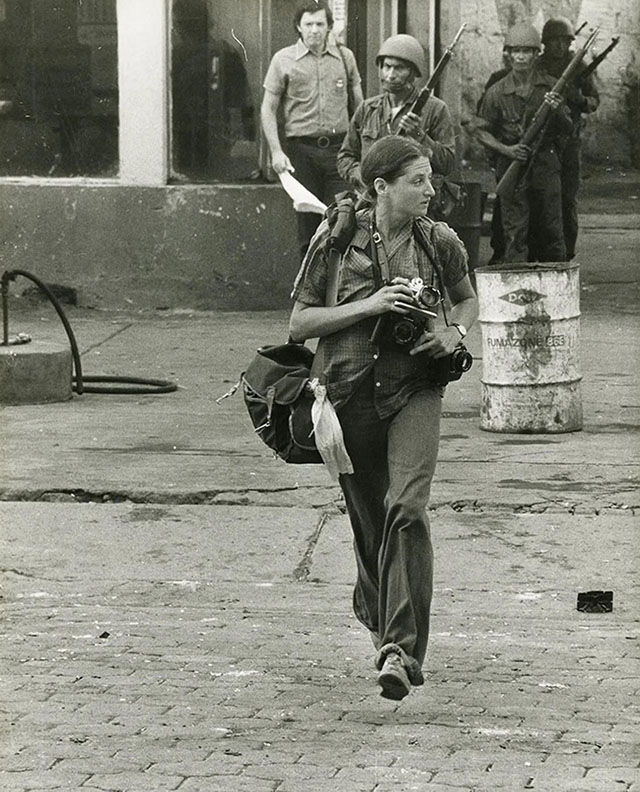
527, 266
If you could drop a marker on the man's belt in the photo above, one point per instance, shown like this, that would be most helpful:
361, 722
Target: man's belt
321, 141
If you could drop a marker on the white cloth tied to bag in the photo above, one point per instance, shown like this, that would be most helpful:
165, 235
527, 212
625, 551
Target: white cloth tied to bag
328, 433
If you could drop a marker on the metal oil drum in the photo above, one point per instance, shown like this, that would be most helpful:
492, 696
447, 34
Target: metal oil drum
530, 321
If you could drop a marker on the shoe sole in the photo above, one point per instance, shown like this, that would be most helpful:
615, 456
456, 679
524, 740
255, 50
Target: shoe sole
392, 686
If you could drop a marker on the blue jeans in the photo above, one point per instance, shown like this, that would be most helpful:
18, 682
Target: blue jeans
387, 496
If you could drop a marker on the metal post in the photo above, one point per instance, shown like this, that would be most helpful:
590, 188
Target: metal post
4, 288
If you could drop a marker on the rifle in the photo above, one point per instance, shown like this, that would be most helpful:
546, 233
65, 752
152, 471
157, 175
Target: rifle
509, 181
591, 67
421, 99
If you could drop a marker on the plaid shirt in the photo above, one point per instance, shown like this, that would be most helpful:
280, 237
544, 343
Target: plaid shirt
345, 357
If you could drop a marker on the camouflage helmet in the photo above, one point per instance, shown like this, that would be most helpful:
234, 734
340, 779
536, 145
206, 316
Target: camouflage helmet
524, 35
558, 27
405, 48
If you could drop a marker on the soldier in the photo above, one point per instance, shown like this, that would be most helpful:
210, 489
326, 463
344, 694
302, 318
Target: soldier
535, 209
314, 80
400, 62
497, 237
582, 98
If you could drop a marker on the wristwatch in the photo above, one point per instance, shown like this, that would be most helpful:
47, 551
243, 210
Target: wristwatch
460, 328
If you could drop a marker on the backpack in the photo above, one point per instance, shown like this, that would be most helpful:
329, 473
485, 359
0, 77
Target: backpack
277, 396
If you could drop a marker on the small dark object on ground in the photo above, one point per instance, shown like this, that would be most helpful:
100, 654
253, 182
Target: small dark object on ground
595, 601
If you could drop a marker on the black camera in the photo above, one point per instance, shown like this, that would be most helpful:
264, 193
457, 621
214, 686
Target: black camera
451, 368
406, 329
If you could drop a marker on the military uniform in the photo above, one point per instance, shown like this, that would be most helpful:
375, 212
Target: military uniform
535, 209
497, 236
582, 97
374, 119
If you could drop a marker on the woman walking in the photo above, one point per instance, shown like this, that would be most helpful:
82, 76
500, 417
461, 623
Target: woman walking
382, 364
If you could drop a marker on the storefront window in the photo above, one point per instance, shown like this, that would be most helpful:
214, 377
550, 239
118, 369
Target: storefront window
58, 88
215, 79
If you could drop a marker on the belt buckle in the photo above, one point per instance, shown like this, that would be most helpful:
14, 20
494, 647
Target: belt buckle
323, 142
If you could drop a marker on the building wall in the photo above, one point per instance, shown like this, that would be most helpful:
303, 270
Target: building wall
206, 247
610, 133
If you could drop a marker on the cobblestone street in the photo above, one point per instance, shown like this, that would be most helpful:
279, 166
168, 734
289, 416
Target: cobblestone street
215, 661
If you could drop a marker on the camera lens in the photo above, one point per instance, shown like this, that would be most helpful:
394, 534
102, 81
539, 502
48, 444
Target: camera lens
429, 296
461, 361
404, 332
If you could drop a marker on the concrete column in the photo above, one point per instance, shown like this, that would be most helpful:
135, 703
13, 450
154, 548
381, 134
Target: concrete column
143, 86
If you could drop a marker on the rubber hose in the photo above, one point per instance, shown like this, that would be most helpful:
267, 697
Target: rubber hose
146, 385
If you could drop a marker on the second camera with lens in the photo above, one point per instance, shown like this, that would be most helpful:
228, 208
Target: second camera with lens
452, 367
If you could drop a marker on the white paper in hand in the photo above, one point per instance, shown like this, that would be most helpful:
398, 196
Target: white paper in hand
303, 200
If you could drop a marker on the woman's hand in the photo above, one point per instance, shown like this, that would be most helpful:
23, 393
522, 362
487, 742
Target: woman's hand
437, 343
385, 298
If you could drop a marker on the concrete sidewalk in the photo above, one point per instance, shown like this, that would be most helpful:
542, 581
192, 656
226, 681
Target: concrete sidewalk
176, 603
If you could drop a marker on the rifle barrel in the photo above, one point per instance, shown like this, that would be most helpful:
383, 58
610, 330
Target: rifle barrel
597, 60
457, 36
440, 66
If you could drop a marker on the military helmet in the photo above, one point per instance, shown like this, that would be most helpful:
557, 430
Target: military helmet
524, 35
558, 27
405, 48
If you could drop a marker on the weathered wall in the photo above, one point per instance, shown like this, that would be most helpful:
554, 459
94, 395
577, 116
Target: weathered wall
611, 134
204, 247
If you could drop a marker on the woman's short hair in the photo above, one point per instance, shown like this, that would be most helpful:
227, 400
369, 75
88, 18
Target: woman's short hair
387, 159
312, 8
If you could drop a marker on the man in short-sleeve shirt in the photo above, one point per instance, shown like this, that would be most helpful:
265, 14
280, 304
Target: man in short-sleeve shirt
313, 81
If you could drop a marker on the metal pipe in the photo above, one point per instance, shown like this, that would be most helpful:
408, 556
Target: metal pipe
4, 289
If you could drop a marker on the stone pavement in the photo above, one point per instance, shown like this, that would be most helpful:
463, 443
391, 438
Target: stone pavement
176, 604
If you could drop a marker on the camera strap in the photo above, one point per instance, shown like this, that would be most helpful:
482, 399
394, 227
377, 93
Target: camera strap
381, 263
426, 244
378, 257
